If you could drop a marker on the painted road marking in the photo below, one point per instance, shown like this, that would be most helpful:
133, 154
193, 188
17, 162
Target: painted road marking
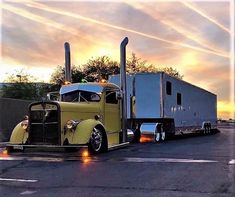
46, 159
19, 180
170, 160
127, 159
27, 192
232, 162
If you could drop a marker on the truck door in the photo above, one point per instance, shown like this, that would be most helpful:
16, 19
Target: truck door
112, 112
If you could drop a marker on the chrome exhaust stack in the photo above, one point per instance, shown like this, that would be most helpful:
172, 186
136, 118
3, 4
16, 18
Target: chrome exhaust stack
123, 87
67, 62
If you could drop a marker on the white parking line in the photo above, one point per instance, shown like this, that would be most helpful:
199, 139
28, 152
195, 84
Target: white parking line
170, 160
8, 158
27, 192
232, 162
19, 180
18, 158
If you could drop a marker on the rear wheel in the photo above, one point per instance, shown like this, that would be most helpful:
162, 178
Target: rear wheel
97, 142
163, 136
209, 128
158, 137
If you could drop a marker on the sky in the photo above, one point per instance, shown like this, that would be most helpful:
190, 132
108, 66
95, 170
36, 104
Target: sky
194, 37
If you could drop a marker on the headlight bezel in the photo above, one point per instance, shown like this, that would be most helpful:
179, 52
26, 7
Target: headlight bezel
25, 123
71, 125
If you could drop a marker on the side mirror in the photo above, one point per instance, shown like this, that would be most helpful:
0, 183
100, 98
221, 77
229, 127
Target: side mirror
119, 95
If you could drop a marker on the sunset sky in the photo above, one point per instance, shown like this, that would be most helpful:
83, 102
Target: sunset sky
195, 37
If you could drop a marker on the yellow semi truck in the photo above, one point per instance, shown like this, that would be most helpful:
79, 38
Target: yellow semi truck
86, 115
155, 106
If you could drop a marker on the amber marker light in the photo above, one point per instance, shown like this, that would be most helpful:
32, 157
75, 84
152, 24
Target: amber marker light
85, 153
103, 81
4, 153
67, 83
85, 157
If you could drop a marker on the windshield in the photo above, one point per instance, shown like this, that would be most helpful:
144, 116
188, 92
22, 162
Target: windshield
82, 87
80, 96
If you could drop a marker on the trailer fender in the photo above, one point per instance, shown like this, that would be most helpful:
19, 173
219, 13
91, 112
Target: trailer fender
82, 133
19, 135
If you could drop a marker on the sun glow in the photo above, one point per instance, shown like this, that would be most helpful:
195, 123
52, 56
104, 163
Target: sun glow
189, 59
41, 74
226, 109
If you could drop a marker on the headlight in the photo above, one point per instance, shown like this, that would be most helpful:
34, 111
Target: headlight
25, 124
71, 124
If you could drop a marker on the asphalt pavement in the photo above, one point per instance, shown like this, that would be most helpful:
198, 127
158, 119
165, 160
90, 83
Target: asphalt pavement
184, 166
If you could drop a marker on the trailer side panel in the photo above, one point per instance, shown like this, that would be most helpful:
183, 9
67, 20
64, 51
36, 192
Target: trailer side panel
148, 95
189, 105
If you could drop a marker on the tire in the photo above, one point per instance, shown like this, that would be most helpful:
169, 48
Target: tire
205, 130
209, 128
97, 142
158, 137
163, 136
137, 136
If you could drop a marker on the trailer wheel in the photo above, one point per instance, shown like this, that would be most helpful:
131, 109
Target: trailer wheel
209, 128
158, 137
97, 142
163, 136
205, 129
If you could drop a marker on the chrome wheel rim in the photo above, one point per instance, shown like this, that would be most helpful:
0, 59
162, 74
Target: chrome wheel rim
163, 136
157, 138
96, 140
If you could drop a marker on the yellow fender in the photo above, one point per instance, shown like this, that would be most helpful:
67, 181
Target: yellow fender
19, 135
82, 133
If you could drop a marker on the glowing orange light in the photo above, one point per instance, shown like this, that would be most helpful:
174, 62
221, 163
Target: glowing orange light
86, 160
67, 82
145, 138
85, 153
103, 81
4, 153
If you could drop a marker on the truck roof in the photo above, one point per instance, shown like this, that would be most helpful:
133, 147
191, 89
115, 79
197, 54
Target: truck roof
90, 86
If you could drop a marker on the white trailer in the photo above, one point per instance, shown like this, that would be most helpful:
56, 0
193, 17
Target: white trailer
161, 105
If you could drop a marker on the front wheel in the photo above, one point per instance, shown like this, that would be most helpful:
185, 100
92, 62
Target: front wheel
97, 142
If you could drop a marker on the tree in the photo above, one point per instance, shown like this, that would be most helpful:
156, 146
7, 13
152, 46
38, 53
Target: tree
101, 67
58, 76
20, 86
137, 65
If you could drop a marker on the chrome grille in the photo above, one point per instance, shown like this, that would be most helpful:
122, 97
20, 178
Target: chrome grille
44, 126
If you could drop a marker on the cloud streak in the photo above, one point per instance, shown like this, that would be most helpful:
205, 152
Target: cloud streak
77, 16
39, 19
179, 29
201, 13
164, 34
